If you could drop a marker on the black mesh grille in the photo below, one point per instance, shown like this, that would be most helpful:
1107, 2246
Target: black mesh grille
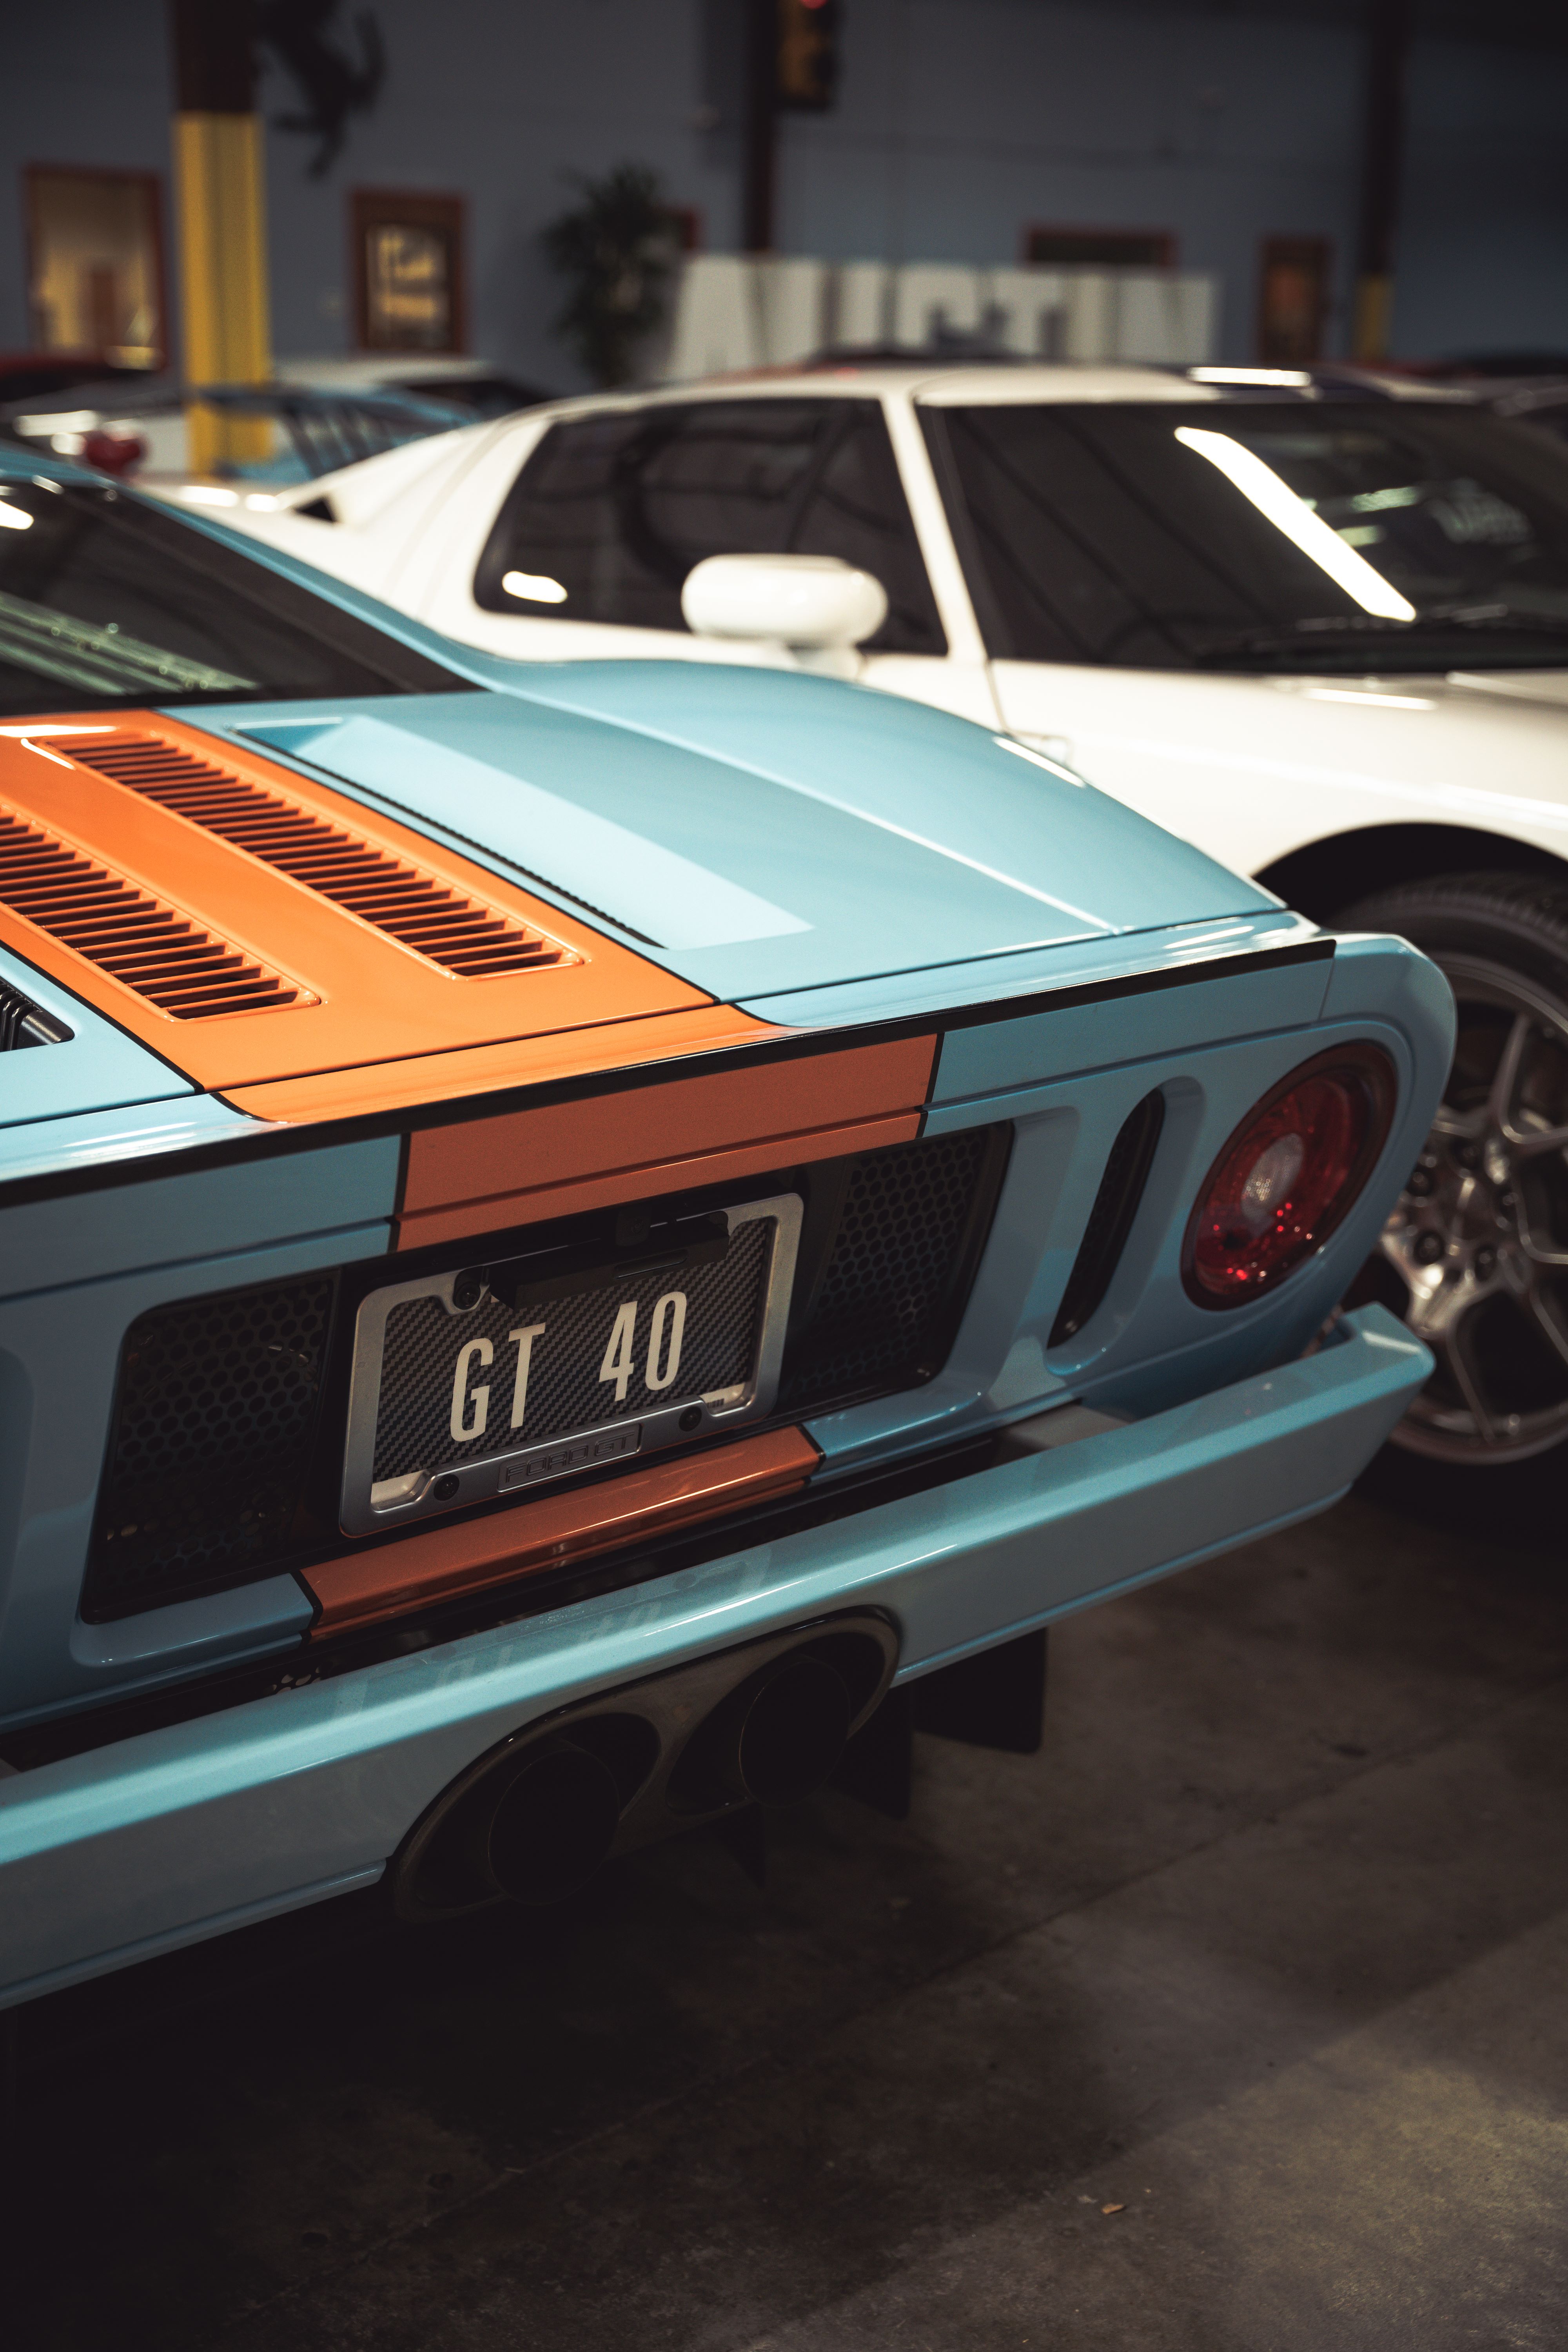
212, 1477
211, 1445
883, 1312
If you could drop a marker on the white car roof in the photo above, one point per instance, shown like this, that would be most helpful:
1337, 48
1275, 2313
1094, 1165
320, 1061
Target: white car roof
369, 482
982, 386
1006, 386
946, 385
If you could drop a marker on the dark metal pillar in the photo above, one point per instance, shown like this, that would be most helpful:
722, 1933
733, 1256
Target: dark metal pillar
1383, 146
761, 125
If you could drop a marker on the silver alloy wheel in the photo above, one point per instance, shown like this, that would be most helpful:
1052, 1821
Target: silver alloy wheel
1479, 1236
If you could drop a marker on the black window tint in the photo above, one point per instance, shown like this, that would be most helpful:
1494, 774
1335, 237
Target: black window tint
1097, 534
617, 510
105, 600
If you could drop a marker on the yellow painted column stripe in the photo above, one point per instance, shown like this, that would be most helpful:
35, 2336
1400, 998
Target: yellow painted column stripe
223, 264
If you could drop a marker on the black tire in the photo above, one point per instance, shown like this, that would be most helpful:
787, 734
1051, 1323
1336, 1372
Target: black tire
1475, 1257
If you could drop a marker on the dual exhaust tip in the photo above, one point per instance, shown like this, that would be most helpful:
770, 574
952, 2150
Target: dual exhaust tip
533, 1819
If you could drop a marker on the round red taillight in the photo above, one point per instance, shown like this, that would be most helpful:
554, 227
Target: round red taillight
1288, 1175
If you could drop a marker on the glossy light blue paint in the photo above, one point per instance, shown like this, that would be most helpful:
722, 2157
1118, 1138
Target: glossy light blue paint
60, 1363
100, 1138
919, 993
809, 892
919, 774
178, 1832
98, 1068
1148, 1343
1388, 980
874, 836
999, 1056
177, 1939
81, 1269
921, 864
647, 890
252, 1619
172, 1218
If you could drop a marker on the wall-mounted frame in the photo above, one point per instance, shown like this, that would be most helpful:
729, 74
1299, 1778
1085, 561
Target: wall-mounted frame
1293, 281
95, 263
1076, 247
410, 293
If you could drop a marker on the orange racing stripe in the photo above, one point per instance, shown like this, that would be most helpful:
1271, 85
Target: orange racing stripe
522, 1166
442, 1562
363, 997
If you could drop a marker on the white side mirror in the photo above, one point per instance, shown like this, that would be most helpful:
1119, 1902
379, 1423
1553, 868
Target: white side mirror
815, 603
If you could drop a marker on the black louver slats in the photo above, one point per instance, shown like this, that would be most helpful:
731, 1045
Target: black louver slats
1110, 1219
462, 935
185, 970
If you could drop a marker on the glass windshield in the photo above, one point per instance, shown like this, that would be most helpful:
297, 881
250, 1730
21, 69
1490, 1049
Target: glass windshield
105, 600
1258, 535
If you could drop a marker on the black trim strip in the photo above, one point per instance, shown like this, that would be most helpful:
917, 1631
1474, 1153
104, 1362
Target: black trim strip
1111, 1218
631, 1078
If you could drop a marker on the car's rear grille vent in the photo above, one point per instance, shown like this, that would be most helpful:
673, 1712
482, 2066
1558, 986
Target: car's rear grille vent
219, 1455
22, 1024
460, 934
176, 965
213, 1429
910, 1229
1110, 1219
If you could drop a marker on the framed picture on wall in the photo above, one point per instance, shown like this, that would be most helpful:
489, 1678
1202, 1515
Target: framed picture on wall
1293, 300
95, 263
409, 293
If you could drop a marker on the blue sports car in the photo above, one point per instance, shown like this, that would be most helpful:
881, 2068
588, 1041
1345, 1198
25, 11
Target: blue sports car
582, 1245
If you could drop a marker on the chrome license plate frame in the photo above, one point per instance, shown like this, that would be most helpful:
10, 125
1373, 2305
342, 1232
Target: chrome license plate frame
519, 1465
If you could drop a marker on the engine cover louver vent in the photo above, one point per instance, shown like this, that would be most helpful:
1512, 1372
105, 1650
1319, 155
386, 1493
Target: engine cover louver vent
460, 934
147, 946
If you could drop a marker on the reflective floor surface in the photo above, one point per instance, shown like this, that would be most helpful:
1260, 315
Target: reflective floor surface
1233, 2022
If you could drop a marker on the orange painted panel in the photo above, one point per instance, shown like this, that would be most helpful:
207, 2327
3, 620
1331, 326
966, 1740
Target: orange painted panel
494, 1163
485, 1069
390, 1579
638, 1183
379, 1000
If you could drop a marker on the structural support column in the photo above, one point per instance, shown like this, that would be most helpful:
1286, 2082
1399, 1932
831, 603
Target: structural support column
1382, 154
221, 204
760, 144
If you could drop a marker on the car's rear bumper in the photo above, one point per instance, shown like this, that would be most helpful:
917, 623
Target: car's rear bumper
109, 1856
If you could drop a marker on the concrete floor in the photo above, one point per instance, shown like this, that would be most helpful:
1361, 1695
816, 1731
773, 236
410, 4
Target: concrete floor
1234, 2021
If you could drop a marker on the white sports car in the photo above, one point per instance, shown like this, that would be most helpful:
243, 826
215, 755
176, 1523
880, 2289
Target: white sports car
1318, 625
